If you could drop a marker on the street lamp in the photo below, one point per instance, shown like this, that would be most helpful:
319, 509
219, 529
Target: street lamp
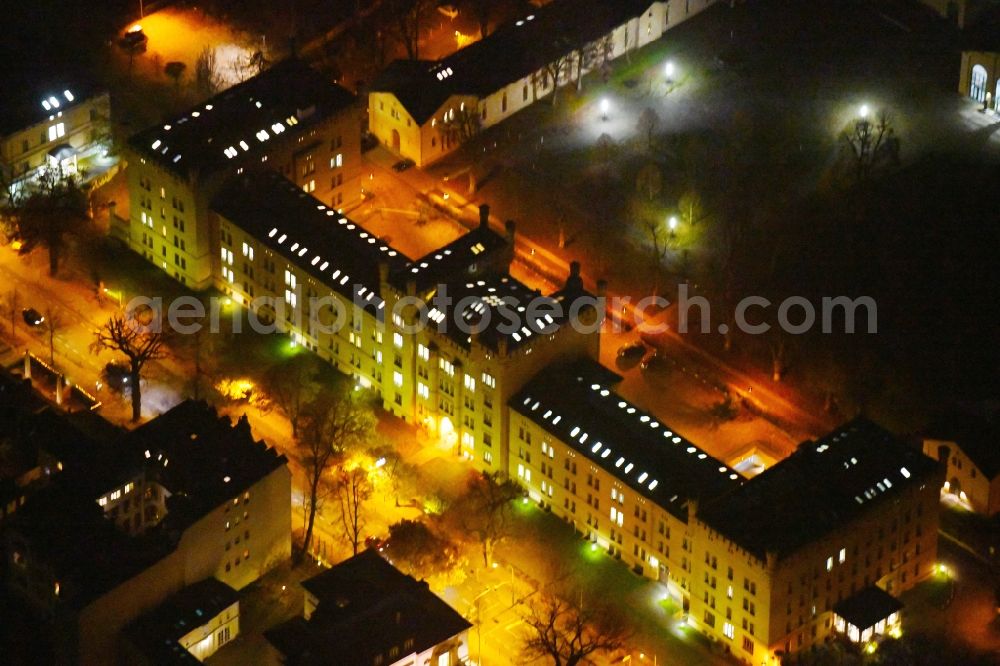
672, 225
605, 107
668, 71
863, 111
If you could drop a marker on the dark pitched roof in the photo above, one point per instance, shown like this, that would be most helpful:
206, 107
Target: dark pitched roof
512, 52
335, 250
577, 405
865, 608
976, 435
366, 606
238, 123
821, 486
467, 257
86, 553
157, 633
202, 458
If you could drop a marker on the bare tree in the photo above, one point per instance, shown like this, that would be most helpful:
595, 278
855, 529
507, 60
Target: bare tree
332, 422
482, 11
484, 510
649, 122
555, 70
871, 143
52, 322
405, 19
47, 211
137, 337
206, 76
175, 71
568, 633
11, 303
649, 181
353, 489
291, 386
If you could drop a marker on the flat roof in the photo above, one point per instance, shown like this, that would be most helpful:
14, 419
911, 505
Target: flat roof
239, 123
335, 250
510, 53
577, 405
822, 486
867, 607
158, 632
366, 606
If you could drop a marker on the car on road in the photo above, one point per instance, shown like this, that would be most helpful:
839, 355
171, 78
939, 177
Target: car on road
632, 350
134, 41
115, 376
32, 317
656, 361
403, 165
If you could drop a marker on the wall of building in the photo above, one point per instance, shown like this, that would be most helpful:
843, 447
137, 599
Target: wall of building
990, 61
205, 640
84, 123
394, 127
786, 605
243, 538
963, 479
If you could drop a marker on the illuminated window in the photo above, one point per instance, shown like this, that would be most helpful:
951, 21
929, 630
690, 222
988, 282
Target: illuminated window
57, 131
290, 297
829, 564
843, 555
728, 630
227, 256
103, 501
397, 378
447, 367
470, 383
290, 278
489, 380
248, 251
397, 339
423, 391
337, 161
309, 186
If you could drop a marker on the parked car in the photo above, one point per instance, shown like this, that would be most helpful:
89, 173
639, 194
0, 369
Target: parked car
134, 41
116, 377
655, 361
632, 350
403, 165
32, 317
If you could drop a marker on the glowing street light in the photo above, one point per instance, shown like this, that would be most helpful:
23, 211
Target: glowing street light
864, 111
672, 225
605, 108
668, 71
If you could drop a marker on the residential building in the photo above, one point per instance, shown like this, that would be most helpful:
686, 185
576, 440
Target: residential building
289, 119
53, 122
969, 448
434, 337
789, 558
187, 628
365, 612
612, 470
425, 109
813, 546
185, 497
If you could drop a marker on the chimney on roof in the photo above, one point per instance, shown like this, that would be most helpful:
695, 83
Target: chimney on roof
510, 228
484, 216
602, 288
574, 282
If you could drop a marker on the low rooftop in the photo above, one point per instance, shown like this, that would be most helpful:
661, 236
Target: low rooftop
820, 487
239, 123
865, 608
157, 633
336, 251
976, 434
33, 100
577, 405
366, 606
512, 52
